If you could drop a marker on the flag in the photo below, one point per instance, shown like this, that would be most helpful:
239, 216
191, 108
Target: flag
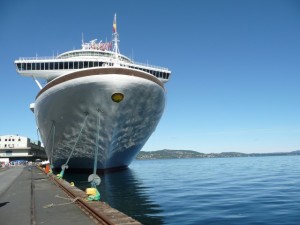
115, 24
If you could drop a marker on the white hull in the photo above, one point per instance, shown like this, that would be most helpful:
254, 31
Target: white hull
124, 127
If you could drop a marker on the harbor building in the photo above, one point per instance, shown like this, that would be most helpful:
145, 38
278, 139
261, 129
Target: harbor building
15, 147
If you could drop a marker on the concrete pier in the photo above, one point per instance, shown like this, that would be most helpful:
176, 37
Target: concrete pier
28, 196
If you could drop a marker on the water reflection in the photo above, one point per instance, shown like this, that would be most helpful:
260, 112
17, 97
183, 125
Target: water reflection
124, 191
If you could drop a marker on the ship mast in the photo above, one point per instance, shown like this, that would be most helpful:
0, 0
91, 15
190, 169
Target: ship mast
115, 37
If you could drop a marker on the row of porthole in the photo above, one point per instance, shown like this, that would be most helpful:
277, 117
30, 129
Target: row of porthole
11, 139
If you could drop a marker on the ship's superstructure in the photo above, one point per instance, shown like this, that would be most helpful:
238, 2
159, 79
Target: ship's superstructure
95, 98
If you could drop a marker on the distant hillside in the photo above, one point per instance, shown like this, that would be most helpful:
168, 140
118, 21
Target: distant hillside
181, 154
169, 154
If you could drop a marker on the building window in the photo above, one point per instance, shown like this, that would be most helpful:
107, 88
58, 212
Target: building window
8, 152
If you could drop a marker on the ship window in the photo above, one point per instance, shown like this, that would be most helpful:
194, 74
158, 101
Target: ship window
19, 139
86, 64
51, 65
61, 65
38, 66
66, 65
90, 64
71, 65
75, 65
96, 64
8, 152
46, 66
28, 66
56, 66
80, 65
42, 66
5, 139
33, 66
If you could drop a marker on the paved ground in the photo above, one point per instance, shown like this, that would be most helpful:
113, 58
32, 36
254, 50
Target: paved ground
7, 177
27, 197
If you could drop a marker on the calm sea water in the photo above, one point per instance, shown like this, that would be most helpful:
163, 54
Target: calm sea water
252, 190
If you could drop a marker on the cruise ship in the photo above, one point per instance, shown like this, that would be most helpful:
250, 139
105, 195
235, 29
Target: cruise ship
95, 105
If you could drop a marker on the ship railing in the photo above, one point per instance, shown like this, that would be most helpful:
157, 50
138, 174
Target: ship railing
37, 58
150, 66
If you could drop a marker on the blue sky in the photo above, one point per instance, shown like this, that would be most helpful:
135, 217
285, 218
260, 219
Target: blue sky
235, 65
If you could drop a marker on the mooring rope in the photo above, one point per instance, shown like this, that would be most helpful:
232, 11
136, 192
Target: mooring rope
61, 204
77, 138
97, 147
65, 166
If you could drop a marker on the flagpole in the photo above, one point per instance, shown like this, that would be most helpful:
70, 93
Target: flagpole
115, 37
